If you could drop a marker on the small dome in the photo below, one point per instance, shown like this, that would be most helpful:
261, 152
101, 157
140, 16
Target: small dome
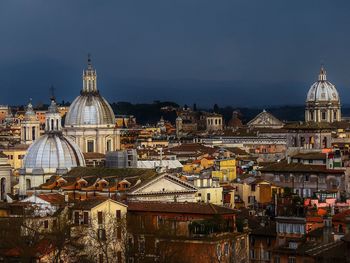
322, 90
53, 152
30, 114
90, 109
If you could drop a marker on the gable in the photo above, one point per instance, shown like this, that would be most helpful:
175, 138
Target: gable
265, 119
165, 184
110, 205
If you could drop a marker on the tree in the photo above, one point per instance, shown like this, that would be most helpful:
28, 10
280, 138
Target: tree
106, 241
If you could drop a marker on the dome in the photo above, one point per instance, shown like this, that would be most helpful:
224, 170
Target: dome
53, 152
322, 90
90, 108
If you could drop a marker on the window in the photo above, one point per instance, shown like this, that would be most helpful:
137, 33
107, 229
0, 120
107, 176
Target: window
335, 115
101, 234
142, 222
86, 218
251, 199
109, 146
253, 186
306, 178
323, 118
208, 197
118, 214
276, 259
99, 217
142, 245
90, 146
46, 224
292, 260
76, 217
293, 245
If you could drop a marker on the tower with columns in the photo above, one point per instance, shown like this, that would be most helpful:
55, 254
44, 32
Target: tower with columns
30, 126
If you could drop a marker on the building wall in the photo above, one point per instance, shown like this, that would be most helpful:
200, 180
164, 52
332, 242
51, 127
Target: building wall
211, 195
15, 157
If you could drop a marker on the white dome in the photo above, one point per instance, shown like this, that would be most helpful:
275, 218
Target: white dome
90, 109
52, 153
322, 90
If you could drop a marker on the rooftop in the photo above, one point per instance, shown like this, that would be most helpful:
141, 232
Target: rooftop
182, 208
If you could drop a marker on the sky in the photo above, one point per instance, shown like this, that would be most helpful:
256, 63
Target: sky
229, 52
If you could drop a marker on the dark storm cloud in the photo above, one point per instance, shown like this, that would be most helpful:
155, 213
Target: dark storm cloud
246, 52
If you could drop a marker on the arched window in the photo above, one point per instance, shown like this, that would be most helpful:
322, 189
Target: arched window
90, 146
109, 145
52, 123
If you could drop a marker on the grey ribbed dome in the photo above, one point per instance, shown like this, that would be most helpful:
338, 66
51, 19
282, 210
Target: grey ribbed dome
90, 109
53, 152
322, 90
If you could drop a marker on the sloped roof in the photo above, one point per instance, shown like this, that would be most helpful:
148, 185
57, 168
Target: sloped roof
183, 208
104, 172
284, 166
52, 198
310, 156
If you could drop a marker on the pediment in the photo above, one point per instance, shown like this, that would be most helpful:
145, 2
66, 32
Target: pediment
265, 119
164, 184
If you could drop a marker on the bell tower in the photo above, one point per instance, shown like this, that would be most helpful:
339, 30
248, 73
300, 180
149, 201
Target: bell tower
30, 126
53, 118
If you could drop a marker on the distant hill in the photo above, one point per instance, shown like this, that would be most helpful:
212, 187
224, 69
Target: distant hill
150, 113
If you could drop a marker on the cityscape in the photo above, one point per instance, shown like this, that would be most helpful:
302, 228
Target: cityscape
186, 176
